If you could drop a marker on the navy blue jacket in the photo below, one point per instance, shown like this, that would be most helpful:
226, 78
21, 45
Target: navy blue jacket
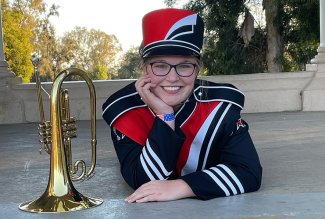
210, 148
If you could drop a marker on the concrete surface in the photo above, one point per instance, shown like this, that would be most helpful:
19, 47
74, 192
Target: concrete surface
291, 146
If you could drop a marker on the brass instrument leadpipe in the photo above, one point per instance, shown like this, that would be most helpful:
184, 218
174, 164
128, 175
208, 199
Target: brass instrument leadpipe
44, 126
35, 62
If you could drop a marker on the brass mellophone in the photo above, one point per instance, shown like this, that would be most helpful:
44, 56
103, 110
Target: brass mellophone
60, 194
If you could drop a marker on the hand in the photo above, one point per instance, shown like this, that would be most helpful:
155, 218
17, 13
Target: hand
143, 85
161, 190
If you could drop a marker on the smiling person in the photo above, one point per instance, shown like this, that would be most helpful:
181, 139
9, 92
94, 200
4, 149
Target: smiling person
177, 136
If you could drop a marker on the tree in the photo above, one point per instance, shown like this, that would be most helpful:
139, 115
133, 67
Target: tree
274, 43
91, 50
298, 24
225, 52
45, 42
287, 43
300, 30
101, 72
130, 64
27, 30
17, 45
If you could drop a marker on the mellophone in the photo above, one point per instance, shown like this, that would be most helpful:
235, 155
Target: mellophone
55, 137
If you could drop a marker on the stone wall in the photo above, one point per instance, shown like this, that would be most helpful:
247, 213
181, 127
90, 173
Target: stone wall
265, 92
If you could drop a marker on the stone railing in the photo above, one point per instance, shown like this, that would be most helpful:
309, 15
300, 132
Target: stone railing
265, 92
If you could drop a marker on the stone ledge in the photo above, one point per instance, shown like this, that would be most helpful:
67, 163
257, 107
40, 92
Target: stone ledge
314, 95
265, 92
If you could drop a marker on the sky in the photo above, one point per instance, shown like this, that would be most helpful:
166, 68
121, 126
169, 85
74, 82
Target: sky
119, 17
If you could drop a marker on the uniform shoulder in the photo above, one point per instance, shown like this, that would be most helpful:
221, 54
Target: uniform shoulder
126, 91
121, 101
206, 91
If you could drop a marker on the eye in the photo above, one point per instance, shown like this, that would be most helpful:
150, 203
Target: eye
160, 66
185, 66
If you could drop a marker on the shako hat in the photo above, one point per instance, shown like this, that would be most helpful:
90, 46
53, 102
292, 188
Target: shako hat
172, 31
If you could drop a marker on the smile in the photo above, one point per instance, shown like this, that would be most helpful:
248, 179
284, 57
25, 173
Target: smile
171, 88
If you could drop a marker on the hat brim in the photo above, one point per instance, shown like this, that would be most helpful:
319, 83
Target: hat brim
180, 49
171, 51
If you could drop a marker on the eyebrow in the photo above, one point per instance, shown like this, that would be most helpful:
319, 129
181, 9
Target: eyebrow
164, 61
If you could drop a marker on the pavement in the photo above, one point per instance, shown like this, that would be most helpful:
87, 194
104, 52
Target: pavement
291, 146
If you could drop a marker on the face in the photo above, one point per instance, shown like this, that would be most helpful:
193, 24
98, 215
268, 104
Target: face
172, 88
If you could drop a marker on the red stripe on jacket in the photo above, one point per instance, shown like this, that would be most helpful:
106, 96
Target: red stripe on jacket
136, 124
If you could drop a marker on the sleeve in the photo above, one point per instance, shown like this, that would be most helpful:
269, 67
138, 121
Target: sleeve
154, 161
236, 170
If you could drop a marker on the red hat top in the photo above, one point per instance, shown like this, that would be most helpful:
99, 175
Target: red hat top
172, 31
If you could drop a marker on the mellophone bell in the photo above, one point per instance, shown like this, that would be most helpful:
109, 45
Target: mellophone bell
60, 194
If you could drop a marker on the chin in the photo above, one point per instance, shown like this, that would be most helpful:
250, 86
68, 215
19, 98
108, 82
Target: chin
173, 102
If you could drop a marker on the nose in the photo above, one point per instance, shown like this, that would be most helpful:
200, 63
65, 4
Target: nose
172, 75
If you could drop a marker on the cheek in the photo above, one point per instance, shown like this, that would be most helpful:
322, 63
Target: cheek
155, 80
189, 81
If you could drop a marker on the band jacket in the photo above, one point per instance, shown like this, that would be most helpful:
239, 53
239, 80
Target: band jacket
210, 148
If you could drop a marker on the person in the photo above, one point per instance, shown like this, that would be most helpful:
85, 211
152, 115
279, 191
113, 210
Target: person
177, 136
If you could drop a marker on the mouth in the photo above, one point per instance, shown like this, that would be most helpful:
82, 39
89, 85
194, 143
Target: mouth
171, 88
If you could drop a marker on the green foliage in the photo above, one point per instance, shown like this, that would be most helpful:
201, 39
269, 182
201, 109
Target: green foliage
27, 31
130, 65
45, 42
300, 31
100, 73
224, 51
91, 50
17, 45
170, 3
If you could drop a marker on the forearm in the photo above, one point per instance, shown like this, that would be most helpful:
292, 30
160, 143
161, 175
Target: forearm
239, 171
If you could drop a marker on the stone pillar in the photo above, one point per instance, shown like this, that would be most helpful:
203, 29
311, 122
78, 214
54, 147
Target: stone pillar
320, 57
322, 22
313, 96
5, 74
10, 106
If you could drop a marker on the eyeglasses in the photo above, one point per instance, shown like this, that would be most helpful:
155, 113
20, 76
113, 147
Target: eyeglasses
163, 68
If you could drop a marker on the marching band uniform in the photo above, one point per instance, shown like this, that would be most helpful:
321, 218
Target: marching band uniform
210, 148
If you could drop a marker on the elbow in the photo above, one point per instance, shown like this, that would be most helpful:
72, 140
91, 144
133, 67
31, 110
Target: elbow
254, 181
133, 178
130, 180
256, 185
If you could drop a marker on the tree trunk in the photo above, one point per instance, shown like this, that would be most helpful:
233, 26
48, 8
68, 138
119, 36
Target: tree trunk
274, 44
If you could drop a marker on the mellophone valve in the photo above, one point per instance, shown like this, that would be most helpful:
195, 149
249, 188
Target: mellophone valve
69, 126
